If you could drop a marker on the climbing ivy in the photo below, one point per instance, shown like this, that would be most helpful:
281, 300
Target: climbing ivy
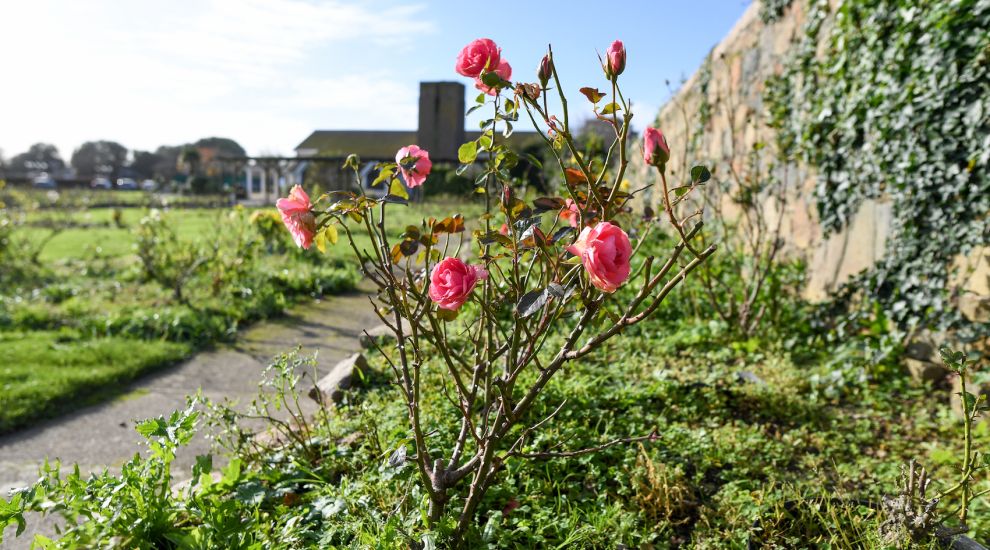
896, 107
771, 10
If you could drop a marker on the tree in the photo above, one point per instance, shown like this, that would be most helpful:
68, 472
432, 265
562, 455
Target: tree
99, 158
168, 165
225, 146
41, 157
145, 163
189, 159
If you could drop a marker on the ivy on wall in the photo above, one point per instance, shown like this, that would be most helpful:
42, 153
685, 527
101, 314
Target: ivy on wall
896, 107
771, 10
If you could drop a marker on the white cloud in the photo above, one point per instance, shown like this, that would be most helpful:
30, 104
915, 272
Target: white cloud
264, 72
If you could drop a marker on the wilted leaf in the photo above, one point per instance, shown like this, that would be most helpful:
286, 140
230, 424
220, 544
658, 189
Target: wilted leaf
573, 176
449, 224
397, 253
547, 204
408, 247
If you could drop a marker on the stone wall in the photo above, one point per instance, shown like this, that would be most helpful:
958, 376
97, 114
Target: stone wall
716, 119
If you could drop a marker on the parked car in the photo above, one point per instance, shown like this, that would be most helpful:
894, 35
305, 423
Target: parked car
149, 185
101, 183
44, 181
126, 184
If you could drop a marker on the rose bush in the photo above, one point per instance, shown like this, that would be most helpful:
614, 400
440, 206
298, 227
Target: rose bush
552, 264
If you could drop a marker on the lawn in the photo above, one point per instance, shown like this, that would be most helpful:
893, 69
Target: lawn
42, 369
64, 322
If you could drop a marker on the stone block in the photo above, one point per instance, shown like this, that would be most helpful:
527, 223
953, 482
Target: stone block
975, 308
925, 371
341, 377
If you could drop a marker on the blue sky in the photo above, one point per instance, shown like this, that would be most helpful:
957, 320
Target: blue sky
267, 72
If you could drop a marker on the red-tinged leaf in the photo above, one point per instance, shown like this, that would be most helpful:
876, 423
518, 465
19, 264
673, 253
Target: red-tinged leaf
573, 176
547, 204
592, 94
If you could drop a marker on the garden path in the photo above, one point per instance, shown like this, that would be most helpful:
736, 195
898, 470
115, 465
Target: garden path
103, 435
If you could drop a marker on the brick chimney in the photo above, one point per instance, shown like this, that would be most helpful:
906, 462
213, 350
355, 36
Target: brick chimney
441, 119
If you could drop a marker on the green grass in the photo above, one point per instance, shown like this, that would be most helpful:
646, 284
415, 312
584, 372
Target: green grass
729, 453
47, 372
89, 284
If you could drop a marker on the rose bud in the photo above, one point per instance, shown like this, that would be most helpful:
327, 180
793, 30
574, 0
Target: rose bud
545, 72
656, 152
615, 59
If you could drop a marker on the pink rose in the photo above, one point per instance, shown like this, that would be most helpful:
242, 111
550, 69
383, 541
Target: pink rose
504, 71
570, 212
605, 252
656, 152
615, 59
477, 57
452, 281
414, 165
297, 216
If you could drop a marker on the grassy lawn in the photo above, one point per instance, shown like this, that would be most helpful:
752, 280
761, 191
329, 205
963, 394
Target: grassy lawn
795, 454
64, 329
44, 368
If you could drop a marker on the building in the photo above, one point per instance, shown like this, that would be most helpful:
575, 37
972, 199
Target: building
319, 158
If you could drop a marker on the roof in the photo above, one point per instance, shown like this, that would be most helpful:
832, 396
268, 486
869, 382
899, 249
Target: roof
368, 144
383, 144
